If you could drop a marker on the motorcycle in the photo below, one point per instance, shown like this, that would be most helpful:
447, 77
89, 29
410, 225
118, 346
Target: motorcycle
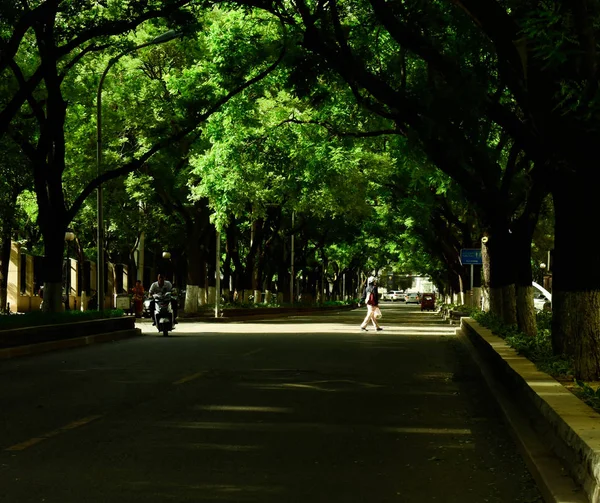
163, 313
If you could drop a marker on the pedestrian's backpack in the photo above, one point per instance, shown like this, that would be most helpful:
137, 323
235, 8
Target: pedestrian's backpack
371, 300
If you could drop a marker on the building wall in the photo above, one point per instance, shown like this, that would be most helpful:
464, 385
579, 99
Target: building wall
30, 300
14, 283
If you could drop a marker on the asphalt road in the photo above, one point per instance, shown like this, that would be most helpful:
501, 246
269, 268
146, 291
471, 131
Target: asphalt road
300, 409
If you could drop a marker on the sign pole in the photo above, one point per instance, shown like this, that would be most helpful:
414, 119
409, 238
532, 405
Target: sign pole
218, 274
471, 279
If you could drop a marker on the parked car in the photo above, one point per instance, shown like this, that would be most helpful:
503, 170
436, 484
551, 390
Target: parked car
542, 298
412, 297
396, 295
387, 295
541, 302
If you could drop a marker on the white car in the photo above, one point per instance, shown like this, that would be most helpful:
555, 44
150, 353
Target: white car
396, 295
542, 298
391, 295
413, 297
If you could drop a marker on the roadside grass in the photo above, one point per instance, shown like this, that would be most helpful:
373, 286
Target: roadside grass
538, 350
40, 318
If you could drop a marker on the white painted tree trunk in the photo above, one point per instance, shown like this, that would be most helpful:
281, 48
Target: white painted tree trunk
257, 296
191, 299
477, 297
212, 295
485, 302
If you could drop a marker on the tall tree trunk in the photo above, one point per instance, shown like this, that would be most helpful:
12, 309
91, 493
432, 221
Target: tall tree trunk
5, 245
522, 237
210, 250
53, 266
197, 225
48, 161
499, 273
248, 278
256, 251
576, 276
195, 273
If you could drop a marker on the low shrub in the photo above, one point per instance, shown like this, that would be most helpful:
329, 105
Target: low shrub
39, 318
537, 349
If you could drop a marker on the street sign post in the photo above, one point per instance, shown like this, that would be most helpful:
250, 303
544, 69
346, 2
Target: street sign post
471, 256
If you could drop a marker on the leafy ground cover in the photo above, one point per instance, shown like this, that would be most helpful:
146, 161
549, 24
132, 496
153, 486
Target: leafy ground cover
39, 318
539, 351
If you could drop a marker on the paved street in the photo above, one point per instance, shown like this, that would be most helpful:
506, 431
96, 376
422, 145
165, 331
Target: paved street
290, 410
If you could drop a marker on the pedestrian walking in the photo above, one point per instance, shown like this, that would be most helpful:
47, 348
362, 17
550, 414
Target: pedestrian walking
371, 299
138, 299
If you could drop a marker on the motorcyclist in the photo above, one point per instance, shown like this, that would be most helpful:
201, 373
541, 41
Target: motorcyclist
161, 286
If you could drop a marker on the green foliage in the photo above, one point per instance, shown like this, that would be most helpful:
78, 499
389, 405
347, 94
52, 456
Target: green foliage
588, 394
462, 308
537, 349
292, 141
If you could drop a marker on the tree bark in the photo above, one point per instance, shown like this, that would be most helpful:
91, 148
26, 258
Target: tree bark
576, 276
5, 245
522, 238
195, 273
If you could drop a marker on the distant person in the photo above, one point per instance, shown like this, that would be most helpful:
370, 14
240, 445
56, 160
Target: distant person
161, 286
371, 299
138, 299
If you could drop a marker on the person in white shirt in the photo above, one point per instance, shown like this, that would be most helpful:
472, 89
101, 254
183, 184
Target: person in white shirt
371, 299
161, 286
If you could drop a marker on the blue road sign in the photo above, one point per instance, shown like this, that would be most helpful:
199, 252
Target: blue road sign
471, 256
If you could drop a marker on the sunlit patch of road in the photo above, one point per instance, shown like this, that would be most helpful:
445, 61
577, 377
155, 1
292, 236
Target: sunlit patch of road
302, 326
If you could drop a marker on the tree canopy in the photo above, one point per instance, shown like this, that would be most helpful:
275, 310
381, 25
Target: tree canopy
378, 134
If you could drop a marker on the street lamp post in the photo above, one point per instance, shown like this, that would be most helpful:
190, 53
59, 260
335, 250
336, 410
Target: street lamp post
292, 262
542, 269
217, 273
165, 37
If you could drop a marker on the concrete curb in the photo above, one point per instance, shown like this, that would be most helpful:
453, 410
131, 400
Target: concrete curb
75, 342
558, 434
